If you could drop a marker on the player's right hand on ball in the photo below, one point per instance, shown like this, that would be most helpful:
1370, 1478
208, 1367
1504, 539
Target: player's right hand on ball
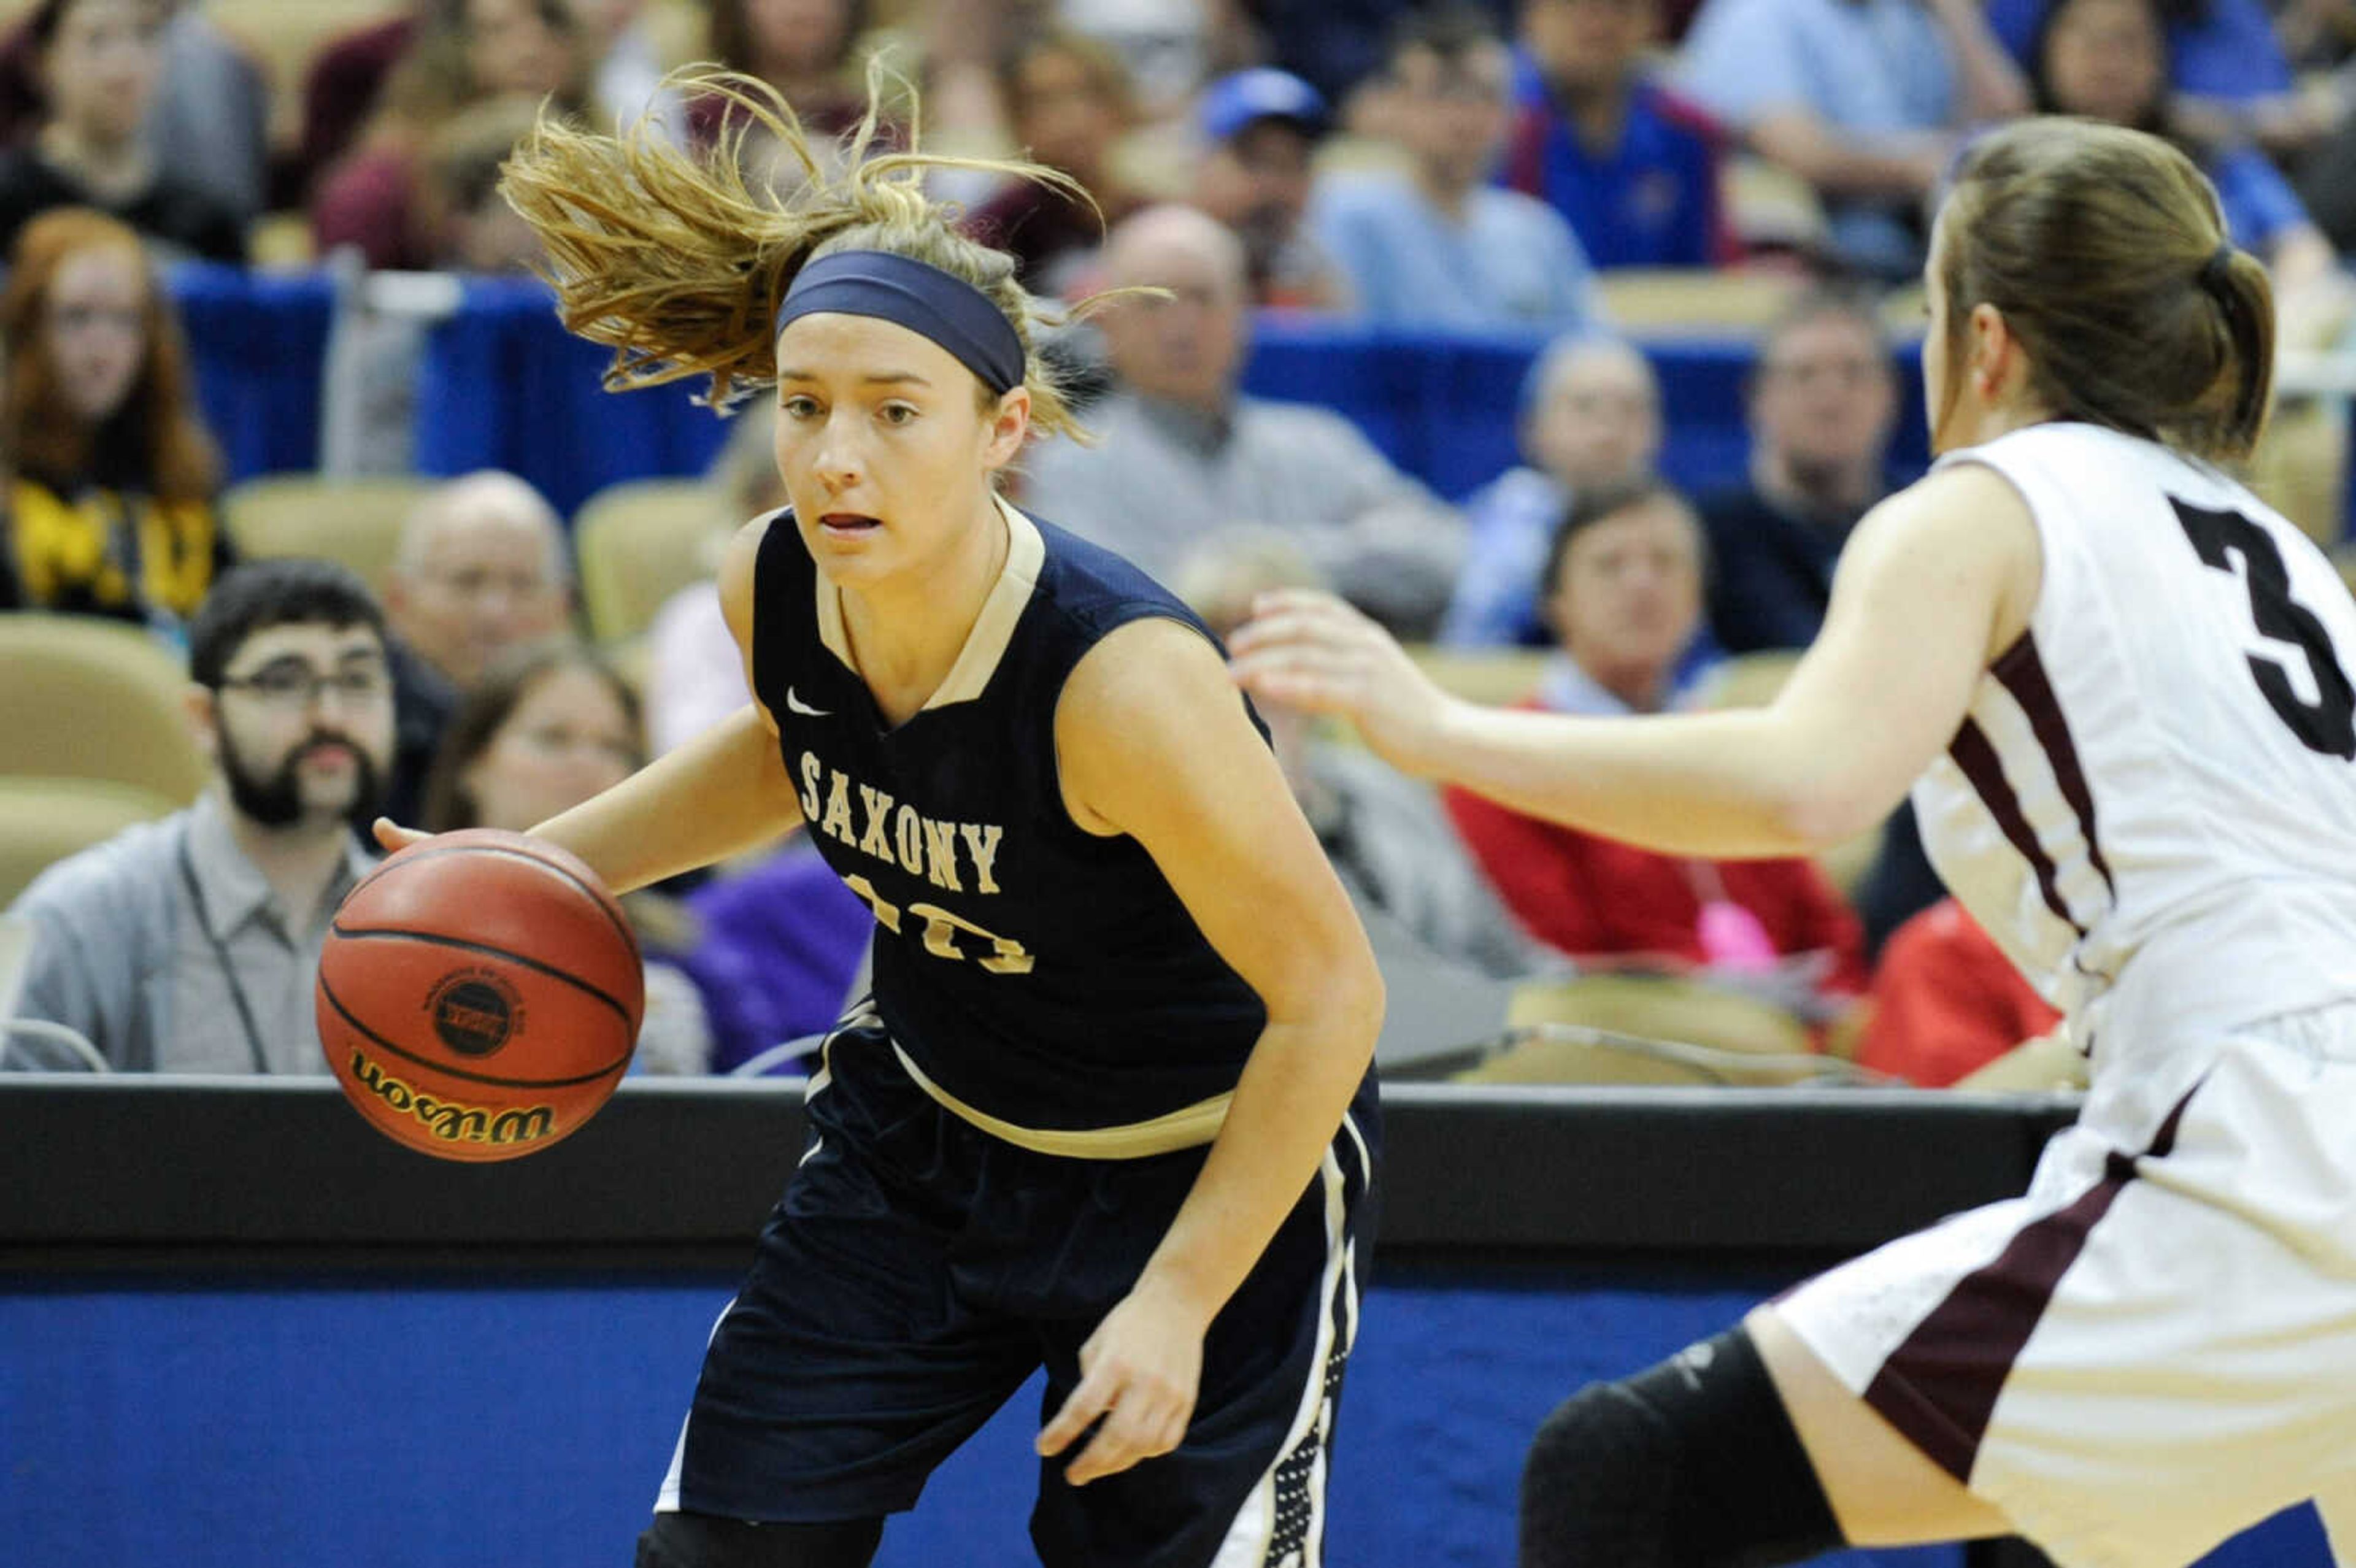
393, 837
1310, 650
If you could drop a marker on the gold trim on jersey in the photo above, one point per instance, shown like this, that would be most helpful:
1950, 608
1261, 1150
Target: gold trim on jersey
993, 629
1187, 1127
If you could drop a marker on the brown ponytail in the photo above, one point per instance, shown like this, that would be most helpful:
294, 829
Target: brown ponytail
2104, 250
677, 261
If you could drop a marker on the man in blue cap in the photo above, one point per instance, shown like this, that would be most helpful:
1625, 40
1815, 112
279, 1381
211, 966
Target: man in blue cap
1261, 128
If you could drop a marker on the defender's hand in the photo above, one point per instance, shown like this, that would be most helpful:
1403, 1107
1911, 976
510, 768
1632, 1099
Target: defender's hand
1311, 650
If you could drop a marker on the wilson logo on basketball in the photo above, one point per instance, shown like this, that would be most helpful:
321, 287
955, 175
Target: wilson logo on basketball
475, 1011
448, 1120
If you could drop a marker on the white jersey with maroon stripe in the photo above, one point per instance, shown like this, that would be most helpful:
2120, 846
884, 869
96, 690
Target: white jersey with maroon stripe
2152, 803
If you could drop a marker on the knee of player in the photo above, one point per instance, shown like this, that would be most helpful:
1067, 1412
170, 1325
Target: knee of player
1602, 1427
1689, 1463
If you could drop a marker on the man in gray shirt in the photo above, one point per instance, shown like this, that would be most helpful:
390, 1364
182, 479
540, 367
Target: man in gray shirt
189, 944
1183, 460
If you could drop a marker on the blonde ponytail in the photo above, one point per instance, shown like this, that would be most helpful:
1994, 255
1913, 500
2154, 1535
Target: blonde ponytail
677, 261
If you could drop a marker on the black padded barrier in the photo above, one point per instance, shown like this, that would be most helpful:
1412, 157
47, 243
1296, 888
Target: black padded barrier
162, 1170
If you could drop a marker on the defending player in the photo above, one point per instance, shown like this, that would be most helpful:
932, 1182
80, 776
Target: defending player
2118, 684
1109, 1105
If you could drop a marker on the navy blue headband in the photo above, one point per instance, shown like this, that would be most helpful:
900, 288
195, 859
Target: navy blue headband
924, 299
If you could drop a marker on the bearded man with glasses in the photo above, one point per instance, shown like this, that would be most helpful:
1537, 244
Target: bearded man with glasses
188, 945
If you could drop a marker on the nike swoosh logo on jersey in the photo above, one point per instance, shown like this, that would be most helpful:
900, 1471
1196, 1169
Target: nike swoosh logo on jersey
796, 705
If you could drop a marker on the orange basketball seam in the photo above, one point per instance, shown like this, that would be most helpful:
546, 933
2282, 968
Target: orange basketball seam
344, 1013
436, 939
598, 895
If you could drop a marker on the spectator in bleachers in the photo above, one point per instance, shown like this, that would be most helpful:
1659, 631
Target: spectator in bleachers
345, 86
1823, 403
695, 672
542, 731
469, 226
1070, 99
781, 948
2223, 52
1339, 47
208, 125
1171, 46
2107, 59
98, 64
1865, 100
1632, 166
1624, 584
1947, 1001
1591, 415
807, 49
1421, 897
466, 52
1183, 458
189, 944
482, 568
626, 64
1261, 129
112, 510
1434, 245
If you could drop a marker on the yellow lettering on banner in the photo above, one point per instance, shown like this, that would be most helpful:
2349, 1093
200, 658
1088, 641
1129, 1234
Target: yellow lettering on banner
810, 767
837, 825
940, 855
887, 913
876, 841
1011, 956
981, 842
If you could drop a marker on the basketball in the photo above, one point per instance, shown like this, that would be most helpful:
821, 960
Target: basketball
479, 996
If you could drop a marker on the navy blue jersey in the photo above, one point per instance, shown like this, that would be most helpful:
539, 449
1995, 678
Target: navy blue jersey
1032, 973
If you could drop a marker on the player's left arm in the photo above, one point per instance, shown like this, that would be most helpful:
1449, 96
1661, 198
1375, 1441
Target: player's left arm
1934, 583
1153, 742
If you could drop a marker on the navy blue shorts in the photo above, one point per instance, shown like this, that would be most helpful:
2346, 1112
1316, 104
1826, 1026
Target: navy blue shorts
918, 1270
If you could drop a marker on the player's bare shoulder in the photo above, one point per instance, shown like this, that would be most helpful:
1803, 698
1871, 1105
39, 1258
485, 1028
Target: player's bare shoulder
1148, 691
1964, 527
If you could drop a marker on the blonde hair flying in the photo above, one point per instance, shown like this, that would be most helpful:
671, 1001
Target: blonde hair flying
678, 262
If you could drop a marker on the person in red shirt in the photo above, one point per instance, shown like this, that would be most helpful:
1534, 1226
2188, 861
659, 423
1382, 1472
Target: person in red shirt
1947, 1001
1623, 591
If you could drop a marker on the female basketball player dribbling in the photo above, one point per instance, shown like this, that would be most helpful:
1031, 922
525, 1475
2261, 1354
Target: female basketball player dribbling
2118, 684
1109, 1107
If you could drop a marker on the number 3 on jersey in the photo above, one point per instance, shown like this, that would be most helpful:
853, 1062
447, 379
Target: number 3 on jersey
2328, 724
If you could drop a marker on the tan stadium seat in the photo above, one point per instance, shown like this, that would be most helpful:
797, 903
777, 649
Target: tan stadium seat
1669, 302
640, 542
89, 698
1497, 677
1655, 1023
43, 820
355, 521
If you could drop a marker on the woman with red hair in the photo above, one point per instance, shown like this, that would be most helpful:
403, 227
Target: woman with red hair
112, 505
